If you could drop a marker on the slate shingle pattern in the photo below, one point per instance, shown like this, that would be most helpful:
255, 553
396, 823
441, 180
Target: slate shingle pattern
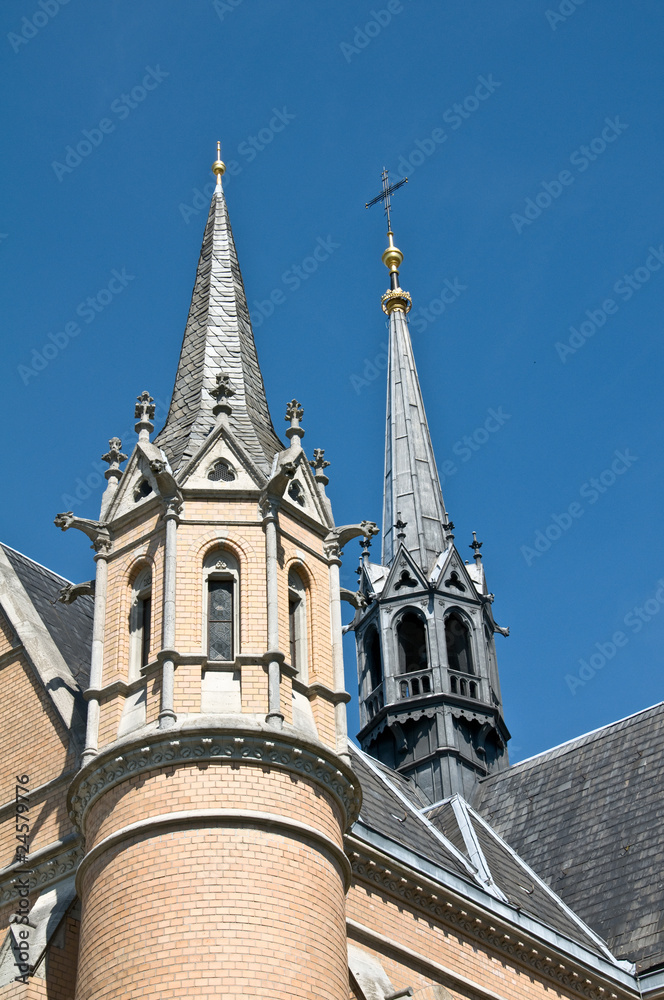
70, 625
588, 818
513, 877
384, 812
218, 339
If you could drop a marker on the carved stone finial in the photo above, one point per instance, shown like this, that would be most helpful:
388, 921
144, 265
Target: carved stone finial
476, 546
294, 413
448, 528
114, 457
318, 464
365, 545
144, 414
222, 392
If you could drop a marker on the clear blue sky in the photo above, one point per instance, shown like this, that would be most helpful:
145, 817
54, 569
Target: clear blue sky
504, 205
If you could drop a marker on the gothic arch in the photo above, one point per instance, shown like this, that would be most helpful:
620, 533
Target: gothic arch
411, 633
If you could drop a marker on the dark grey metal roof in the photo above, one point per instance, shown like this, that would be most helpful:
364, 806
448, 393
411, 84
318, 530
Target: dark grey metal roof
218, 339
412, 488
513, 876
384, 812
588, 817
70, 625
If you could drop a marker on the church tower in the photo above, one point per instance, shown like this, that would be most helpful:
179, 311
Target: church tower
430, 703
216, 786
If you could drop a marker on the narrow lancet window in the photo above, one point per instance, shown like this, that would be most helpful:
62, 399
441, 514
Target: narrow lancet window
373, 659
412, 639
297, 624
220, 619
457, 638
140, 623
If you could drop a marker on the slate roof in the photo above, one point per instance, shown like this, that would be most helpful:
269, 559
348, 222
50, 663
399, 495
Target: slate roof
412, 488
514, 877
588, 817
70, 625
218, 339
384, 812
409, 824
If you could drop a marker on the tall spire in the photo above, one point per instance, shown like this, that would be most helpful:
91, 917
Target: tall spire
218, 338
412, 496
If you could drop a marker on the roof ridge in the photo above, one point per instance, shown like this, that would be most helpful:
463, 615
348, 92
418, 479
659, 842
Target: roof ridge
575, 740
35, 563
447, 844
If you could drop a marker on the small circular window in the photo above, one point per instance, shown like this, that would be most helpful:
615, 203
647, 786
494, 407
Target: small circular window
221, 472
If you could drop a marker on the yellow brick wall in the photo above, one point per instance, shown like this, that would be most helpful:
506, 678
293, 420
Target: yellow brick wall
235, 910
38, 747
240, 533
444, 945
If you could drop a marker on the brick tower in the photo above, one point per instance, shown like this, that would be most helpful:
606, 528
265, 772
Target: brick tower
215, 788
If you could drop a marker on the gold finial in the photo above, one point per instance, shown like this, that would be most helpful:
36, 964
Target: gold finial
219, 167
392, 257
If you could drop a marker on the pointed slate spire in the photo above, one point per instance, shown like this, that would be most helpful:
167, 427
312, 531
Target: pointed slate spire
218, 338
412, 487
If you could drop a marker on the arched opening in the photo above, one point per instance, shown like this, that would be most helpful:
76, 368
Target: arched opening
373, 658
221, 604
140, 622
457, 638
297, 623
412, 640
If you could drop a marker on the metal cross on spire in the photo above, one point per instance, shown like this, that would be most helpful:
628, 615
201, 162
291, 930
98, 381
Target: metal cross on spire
384, 196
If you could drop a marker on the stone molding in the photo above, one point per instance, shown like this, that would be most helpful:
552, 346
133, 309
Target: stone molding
199, 818
435, 900
214, 744
57, 862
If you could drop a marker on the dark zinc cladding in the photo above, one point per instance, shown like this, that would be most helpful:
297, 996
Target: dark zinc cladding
220, 619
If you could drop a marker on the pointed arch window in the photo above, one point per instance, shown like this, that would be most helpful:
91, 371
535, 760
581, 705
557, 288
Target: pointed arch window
373, 658
412, 642
221, 600
140, 623
297, 624
457, 639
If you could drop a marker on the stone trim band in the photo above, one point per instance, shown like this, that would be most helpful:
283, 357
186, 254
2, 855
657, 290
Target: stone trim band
263, 747
156, 825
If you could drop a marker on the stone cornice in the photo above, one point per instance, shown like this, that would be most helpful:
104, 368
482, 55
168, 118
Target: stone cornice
202, 818
222, 742
43, 868
489, 929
